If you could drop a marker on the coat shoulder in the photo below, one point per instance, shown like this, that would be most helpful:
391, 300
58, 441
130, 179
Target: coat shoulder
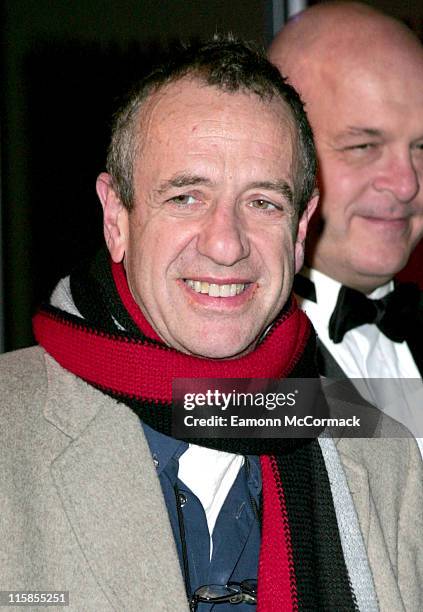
22, 365
23, 381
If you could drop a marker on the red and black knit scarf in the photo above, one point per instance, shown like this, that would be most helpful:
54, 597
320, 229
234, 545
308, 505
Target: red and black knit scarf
301, 563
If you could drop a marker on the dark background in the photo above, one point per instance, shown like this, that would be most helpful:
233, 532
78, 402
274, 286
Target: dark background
64, 66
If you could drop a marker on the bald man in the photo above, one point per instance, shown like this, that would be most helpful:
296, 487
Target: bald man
360, 74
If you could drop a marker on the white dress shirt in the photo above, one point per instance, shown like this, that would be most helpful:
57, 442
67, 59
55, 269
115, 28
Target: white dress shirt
210, 475
366, 356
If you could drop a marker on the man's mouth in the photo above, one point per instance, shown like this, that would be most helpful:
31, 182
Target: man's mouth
216, 290
385, 219
387, 224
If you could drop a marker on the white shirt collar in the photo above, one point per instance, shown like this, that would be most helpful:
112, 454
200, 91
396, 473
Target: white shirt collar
327, 290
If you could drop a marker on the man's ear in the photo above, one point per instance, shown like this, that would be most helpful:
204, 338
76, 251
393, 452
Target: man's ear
302, 231
115, 218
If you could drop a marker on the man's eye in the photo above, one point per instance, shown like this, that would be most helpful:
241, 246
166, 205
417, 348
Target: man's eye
184, 200
264, 205
362, 146
361, 152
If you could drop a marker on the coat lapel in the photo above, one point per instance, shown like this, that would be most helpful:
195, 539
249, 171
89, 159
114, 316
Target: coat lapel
112, 497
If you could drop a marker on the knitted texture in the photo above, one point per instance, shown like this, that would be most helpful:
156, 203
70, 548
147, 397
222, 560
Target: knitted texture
301, 564
321, 585
276, 573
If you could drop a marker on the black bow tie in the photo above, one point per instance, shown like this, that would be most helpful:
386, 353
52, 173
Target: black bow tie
395, 314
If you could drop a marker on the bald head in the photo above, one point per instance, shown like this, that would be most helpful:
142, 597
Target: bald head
337, 35
360, 74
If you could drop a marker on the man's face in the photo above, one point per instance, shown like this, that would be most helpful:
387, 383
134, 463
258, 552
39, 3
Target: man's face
368, 127
210, 248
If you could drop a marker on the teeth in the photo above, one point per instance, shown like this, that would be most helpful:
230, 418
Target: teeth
214, 290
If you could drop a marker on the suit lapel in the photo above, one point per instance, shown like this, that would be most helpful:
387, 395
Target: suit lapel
415, 342
327, 364
112, 497
416, 349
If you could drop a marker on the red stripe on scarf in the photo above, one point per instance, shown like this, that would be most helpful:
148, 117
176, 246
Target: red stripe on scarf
277, 589
119, 276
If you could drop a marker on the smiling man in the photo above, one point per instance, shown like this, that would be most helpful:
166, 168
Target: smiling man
210, 185
360, 74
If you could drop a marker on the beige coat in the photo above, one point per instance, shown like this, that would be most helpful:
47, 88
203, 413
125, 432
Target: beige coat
82, 509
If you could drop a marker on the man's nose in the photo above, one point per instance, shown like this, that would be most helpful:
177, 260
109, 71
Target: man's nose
222, 237
399, 177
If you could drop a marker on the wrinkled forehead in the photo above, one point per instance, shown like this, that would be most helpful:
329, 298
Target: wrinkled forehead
191, 109
199, 99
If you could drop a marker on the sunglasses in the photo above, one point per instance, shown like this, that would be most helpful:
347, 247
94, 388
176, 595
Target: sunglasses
233, 593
